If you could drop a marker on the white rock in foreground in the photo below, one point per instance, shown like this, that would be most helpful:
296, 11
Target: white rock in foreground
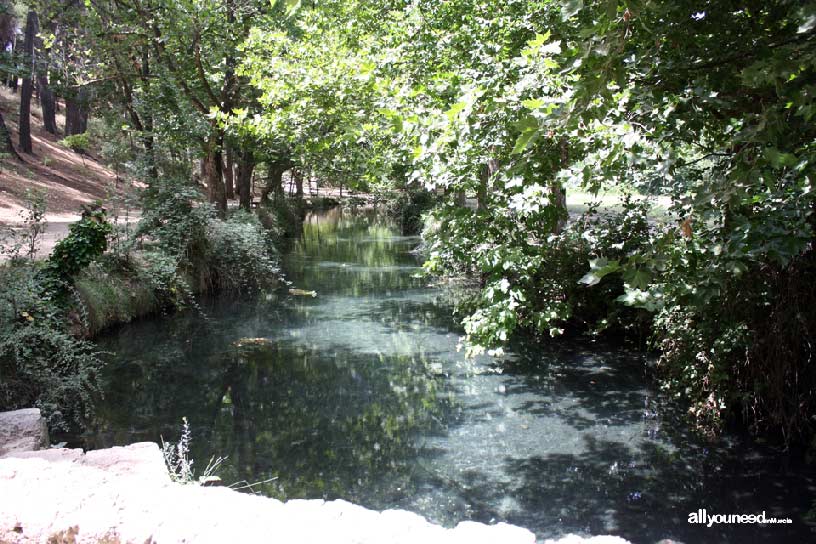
124, 495
22, 430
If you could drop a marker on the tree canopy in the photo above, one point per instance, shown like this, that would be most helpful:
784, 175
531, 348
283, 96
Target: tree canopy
496, 110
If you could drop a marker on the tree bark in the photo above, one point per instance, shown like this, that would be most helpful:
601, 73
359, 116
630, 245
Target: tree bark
297, 175
7, 33
31, 29
13, 54
76, 112
148, 138
246, 165
274, 182
460, 199
229, 172
558, 194
488, 171
213, 175
6, 145
48, 101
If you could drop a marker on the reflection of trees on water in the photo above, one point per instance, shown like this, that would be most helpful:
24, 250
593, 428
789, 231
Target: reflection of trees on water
325, 418
322, 427
357, 254
350, 395
324, 422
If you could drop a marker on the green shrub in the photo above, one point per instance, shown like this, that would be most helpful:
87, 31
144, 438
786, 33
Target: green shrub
191, 249
86, 241
78, 143
535, 287
113, 297
25, 242
408, 207
282, 218
736, 337
242, 253
41, 362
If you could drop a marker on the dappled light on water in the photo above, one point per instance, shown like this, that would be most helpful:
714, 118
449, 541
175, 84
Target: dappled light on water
360, 393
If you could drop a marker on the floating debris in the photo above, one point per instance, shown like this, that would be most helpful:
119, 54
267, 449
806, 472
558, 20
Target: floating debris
249, 342
302, 293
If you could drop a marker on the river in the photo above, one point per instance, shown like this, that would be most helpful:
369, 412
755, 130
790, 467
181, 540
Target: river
360, 393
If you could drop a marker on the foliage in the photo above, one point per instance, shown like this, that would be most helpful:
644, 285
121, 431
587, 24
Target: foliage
179, 464
78, 143
86, 241
494, 109
41, 362
242, 254
188, 241
16, 244
537, 287
408, 207
175, 219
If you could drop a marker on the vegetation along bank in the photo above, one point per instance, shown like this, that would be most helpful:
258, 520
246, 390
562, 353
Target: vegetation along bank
481, 115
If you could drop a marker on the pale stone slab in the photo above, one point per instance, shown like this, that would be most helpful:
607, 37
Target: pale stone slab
124, 495
22, 430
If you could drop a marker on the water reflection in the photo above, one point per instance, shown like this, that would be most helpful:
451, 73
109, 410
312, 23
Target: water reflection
361, 394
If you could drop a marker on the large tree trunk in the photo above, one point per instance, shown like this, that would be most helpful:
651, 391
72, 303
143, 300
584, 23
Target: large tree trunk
48, 101
148, 138
558, 194
246, 165
212, 174
31, 30
6, 145
7, 33
297, 175
229, 172
76, 112
488, 171
274, 182
460, 198
12, 75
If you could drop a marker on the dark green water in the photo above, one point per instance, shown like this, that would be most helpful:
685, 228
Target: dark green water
361, 394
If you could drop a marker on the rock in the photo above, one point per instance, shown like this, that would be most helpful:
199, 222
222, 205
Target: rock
143, 459
125, 495
118, 496
56, 455
22, 430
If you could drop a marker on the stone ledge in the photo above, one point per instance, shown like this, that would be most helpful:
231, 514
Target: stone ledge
117, 496
125, 495
22, 430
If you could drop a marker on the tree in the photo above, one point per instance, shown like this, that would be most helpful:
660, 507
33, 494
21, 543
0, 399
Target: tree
31, 30
7, 39
47, 98
6, 144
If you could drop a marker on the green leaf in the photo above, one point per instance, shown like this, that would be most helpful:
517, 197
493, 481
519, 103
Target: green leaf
524, 141
455, 110
570, 8
533, 103
779, 159
599, 268
637, 278
527, 123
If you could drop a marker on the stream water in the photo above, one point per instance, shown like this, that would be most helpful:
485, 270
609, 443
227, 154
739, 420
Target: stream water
360, 393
